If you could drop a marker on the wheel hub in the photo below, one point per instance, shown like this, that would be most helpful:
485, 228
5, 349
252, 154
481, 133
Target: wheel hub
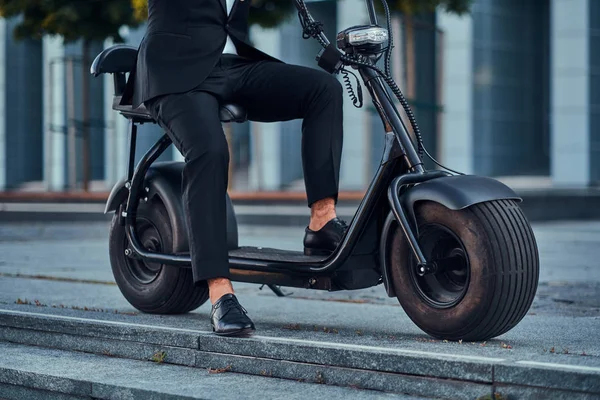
146, 272
444, 281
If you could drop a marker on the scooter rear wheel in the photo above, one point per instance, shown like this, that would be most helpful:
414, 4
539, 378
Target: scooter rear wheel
152, 287
489, 286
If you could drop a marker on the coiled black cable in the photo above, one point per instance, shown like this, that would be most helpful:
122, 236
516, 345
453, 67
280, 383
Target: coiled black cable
357, 100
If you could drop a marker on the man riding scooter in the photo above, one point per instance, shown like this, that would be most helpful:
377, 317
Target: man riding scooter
196, 56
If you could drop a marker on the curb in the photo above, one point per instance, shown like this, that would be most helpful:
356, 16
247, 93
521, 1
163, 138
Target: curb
396, 370
37, 373
538, 205
536, 208
261, 214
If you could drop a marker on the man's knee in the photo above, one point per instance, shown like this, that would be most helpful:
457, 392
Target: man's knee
214, 153
329, 89
331, 84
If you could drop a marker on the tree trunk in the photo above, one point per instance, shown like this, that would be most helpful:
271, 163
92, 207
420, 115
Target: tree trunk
85, 99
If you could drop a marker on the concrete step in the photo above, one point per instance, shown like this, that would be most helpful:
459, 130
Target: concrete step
32, 373
366, 364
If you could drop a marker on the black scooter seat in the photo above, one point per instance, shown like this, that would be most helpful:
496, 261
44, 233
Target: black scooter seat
227, 113
120, 60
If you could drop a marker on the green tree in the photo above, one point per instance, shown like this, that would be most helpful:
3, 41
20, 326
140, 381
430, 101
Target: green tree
265, 13
73, 20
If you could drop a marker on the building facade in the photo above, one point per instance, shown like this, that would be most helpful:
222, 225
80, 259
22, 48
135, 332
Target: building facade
512, 89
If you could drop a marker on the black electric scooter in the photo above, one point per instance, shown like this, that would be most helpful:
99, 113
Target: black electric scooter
456, 250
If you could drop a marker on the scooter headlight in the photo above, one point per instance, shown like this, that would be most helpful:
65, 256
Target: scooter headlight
370, 36
363, 39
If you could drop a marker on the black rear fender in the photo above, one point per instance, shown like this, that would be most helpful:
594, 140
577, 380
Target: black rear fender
163, 181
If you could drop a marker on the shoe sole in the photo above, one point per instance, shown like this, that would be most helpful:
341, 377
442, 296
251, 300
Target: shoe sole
240, 333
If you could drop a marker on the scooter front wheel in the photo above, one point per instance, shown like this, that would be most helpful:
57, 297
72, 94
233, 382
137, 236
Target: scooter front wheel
490, 284
152, 287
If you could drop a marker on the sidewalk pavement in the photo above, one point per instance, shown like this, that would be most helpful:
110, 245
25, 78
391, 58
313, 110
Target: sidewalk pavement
57, 291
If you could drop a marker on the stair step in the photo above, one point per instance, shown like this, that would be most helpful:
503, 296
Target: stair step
28, 372
355, 362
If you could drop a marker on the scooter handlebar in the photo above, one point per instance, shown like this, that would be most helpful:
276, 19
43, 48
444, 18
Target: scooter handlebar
371, 11
304, 13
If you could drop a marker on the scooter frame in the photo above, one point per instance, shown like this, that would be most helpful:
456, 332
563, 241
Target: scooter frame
400, 176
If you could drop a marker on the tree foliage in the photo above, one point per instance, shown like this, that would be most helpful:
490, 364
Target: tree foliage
269, 13
90, 20
412, 7
265, 13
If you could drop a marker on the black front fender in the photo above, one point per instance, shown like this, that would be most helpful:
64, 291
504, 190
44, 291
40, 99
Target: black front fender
163, 180
458, 192
454, 192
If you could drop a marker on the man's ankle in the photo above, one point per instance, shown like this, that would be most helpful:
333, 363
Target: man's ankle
219, 287
321, 212
316, 223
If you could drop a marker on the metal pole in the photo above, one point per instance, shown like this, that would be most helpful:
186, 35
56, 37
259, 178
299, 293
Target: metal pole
49, 136
72, 130
229, 137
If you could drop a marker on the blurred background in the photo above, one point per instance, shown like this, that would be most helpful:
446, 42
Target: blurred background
502, 88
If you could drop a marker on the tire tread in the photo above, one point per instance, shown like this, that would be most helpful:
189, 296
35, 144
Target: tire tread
500, 218
507, 251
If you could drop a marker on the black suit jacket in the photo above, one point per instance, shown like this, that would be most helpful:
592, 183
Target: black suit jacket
182, 44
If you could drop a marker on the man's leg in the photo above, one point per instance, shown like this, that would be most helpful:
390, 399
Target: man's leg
192, 122
279, 92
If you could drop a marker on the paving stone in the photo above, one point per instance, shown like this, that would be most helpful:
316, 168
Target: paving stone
13, 392
548, 375
565, 315
116, 330
39, 380
332, 375
356, 356
468, 368
108, 347
117, 378
530, 393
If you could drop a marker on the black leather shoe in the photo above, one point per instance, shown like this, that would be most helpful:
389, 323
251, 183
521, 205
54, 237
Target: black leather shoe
228, 318
324, 241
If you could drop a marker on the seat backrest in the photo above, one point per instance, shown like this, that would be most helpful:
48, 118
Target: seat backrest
115, 59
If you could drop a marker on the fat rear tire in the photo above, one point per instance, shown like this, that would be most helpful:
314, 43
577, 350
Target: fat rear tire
499, 276
152, 287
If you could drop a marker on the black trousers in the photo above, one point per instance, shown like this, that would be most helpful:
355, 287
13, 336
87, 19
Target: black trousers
269, 91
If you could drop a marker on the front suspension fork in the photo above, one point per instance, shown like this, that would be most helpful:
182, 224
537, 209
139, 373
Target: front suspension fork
424, 267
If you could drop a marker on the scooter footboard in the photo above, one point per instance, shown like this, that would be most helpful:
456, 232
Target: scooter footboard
163, 180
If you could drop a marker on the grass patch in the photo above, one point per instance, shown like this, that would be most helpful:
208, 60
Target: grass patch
159, 357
